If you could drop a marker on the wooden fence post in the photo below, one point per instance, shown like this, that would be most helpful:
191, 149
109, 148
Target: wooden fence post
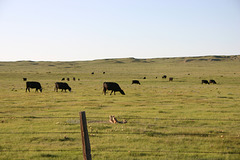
85, 139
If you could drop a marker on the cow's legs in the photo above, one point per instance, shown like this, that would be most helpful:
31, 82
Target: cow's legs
104, 91
111, 92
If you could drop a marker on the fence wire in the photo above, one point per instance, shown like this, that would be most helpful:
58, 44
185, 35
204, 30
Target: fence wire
137, 118
124, 151
119, 133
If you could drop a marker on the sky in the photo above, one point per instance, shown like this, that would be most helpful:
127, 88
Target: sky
76, 30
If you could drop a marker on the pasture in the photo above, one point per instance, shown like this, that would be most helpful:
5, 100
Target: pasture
182, 119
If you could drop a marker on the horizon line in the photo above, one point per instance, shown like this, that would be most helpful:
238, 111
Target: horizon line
195, 56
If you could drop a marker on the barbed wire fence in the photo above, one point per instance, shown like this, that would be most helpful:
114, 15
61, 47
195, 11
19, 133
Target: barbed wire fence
102, 119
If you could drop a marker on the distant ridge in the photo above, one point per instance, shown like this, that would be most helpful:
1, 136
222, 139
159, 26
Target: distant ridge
215, 58
149, 60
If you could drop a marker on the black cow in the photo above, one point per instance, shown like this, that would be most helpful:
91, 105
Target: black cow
32, 84
74, 78
114, 87
68, 79
62, 86
212, 81
205, 82
164, 77
24, 79
135, 82
170, 78
63, 79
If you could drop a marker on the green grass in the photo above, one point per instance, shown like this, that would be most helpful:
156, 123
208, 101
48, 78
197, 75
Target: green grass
183, 119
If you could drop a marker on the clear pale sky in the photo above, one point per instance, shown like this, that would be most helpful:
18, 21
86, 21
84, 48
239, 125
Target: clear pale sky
71, 30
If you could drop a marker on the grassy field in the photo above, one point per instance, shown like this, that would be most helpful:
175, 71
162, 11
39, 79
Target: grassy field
182, 119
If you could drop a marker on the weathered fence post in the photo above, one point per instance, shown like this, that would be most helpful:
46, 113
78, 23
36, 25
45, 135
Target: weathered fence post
85, 139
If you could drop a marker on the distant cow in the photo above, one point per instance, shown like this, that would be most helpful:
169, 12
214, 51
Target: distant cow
212, 81
63, 79
170, 78
36, 85
144, 77
92, 72
62, 86
135, 82
164, 77
104, 72
205, 82
68, 79
24, 79
114, 87
74, 78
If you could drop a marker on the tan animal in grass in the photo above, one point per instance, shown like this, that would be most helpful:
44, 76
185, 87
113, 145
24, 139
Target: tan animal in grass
113, 119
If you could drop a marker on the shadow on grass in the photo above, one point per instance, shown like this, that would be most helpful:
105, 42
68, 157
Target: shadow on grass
48, 156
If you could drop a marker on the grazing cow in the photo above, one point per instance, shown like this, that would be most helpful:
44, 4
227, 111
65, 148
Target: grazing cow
170, 78
205, 82
212, 81
92, 72
164, 77
135, 82
32, 84
104, 72
62, 86
68, 79
24, 79
74, 78
144, 77
63, 79
114, 87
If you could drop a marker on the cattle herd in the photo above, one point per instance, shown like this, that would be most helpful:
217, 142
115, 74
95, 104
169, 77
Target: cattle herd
111, 86
211, 81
